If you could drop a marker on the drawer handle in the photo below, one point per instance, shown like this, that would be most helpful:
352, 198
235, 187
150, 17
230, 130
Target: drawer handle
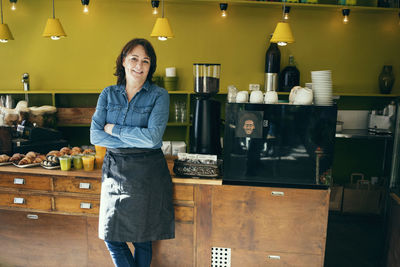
19, 181
274, 257
85, 205
85, 185
19, 200
32, 216
277, 193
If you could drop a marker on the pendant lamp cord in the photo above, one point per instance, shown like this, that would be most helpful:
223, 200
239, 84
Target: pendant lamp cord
283, 9
54, 11
1, 5
162, 8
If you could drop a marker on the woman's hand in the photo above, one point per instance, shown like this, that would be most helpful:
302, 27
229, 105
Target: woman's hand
108, 128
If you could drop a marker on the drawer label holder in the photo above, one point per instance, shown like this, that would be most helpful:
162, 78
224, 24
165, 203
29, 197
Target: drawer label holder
85, 205
19, 181
19, 200
84, 185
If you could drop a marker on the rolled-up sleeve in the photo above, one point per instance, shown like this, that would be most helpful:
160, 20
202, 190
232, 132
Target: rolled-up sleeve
97, 134
150, 137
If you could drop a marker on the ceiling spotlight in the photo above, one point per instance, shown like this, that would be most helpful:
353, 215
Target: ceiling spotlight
85, 4
346, 13
155, 5
286, 11
223, 7
13, 4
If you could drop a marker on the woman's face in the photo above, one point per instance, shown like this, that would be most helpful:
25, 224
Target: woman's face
137, 65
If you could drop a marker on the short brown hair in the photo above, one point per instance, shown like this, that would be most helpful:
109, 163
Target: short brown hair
120, 70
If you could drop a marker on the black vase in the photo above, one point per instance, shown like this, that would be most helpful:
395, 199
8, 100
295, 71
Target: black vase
386, 80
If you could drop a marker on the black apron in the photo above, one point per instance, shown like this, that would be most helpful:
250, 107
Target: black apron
136, 196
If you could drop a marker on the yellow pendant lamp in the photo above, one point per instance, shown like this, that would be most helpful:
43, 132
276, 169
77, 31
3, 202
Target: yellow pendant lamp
5, 33
282, 34
161, 28
53, 28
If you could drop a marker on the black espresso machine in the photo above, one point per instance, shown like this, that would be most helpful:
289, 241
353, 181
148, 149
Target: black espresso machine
23, 138
278, 144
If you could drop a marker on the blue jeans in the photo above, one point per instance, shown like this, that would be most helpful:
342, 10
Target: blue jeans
122, 256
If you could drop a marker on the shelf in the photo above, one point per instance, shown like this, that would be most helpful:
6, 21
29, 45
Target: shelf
361, 134
74, 125
366, 94
178, 124
326, 4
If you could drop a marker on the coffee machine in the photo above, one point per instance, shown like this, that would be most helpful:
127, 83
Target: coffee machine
205, 131
24, 138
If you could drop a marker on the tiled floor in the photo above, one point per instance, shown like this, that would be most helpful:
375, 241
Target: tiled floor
354, 240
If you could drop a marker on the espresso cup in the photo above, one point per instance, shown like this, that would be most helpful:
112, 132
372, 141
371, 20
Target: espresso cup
271, 97
256, 97
242, 97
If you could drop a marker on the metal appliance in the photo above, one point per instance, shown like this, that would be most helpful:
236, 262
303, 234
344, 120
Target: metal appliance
22, 139
205, 132
278, 144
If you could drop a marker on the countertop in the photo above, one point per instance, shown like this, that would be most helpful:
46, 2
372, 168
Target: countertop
96, 174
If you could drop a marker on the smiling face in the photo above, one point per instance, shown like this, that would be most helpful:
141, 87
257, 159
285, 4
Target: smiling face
137, 65
248, 127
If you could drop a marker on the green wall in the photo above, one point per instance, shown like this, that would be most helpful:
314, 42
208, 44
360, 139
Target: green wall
85, 59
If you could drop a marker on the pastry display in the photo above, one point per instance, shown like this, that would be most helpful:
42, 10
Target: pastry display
16, 157
88, 151
4, 158
55, 153
50, 161
65, 151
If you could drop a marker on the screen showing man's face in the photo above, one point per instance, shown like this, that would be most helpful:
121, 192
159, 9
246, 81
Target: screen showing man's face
249, 127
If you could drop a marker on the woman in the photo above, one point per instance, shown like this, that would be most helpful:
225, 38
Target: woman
136, 193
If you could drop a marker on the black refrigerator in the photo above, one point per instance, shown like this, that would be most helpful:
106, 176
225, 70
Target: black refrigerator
278, 144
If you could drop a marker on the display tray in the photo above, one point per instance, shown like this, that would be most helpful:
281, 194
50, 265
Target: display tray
6, 163
51, 167
26, 165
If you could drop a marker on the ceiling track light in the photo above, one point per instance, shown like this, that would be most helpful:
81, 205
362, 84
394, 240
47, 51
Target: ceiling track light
5, 33
283, 34
155, 4
161, 28
223, 7
13, 4
53, 28
286, 11
85, 4
346, 14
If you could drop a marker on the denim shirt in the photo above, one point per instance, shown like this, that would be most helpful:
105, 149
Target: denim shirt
139, 123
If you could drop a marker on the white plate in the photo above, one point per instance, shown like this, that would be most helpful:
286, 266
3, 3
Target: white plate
26, 165
51, 167
5, 163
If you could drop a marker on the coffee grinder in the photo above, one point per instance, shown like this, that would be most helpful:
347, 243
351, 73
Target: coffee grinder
205, 131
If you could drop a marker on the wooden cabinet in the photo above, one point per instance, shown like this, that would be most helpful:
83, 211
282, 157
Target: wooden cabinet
263, 226
52, 220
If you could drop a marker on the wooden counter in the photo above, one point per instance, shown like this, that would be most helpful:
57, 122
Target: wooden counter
49, 218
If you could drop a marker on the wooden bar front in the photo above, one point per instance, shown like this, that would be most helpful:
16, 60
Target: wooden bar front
57, 223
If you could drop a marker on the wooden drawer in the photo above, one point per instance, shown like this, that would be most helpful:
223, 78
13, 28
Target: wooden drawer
77, 185
77, 205
270, 219
25, 201
183, 192
184, 214
269, 258
23, 181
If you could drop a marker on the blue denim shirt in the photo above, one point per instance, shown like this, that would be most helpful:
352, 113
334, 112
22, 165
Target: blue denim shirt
139, 123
